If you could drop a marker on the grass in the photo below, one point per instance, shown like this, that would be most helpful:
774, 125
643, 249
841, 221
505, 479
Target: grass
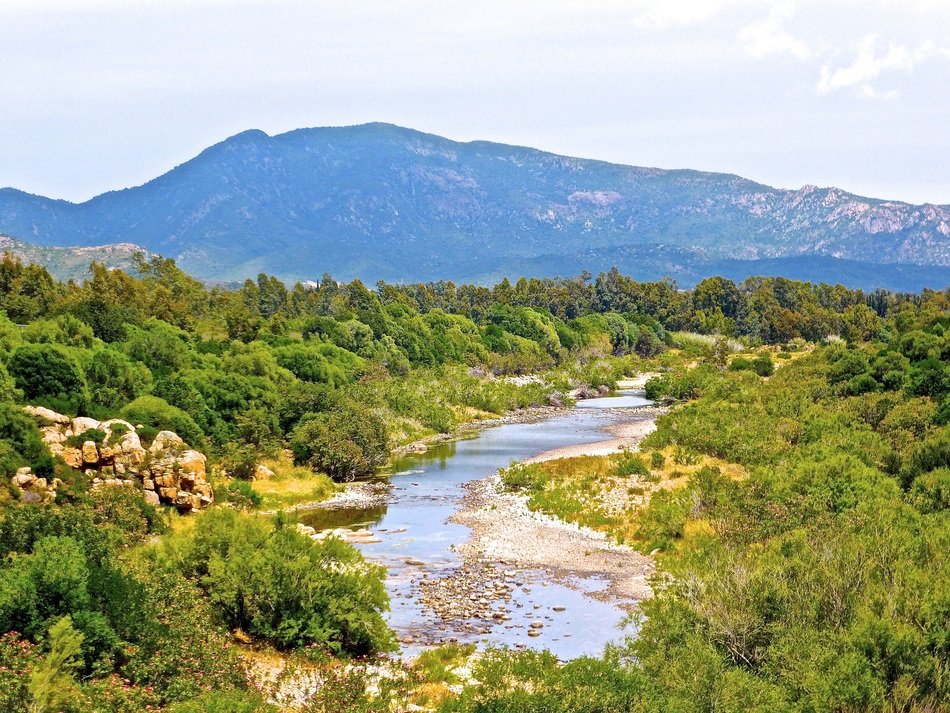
601, 492
292, 485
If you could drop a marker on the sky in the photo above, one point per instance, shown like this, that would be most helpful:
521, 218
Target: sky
98, 95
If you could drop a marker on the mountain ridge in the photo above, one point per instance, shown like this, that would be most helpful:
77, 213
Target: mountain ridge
378, 201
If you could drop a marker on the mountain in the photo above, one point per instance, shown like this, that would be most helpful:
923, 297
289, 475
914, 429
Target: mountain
382, 202
72, 263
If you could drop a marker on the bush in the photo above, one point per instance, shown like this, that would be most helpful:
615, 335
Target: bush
632, 464
930, 492
277, 584
158, 413
239, 461
47, 373
18, 657
21, 441
345, 444
125, 508
241, 494
762, 365
233, 701
95, 435
522, 477
657, 460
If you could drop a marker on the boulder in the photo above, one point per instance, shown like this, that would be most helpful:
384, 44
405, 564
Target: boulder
53, 434
23, 478
151, 497
131, 442
262, 472
47, 415
166, 441
193, 462
82, 424
90, 454
72, 457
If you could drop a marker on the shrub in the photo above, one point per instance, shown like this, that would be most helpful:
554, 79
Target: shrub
95, 435
345, 444
158, 413
241, 494
522, 477
277, 584
126, 509
18, 657
233, 701
762, 365
657, 460
49, 374
632, 464
239, 461
23, 444
930, 492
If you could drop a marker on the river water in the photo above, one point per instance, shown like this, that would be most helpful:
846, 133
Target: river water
418, 541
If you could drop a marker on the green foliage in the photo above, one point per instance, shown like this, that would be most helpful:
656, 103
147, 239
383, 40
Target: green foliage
632, 464
114, 379
520, 477
51, 682
680, 385
48, 374
63, 329
158, 413
18, 657
21, 442
346, 443
535, 682
241, 494
277, 584
96, 435
233, 701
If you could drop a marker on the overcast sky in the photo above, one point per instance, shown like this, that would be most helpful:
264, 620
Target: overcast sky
103, 94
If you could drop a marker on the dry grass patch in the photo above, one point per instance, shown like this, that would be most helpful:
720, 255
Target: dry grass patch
607, 493
292, 485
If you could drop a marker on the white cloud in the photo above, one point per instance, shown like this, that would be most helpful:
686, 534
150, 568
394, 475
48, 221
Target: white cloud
769, 37
869, 65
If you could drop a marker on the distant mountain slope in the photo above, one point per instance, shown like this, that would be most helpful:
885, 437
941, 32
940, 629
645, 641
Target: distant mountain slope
71, 263
379, 201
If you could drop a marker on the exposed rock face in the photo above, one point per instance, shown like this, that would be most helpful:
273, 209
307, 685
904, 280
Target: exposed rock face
168, 473
33, 489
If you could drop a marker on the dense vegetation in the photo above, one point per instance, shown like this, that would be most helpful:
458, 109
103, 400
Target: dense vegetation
807, 571
834, 542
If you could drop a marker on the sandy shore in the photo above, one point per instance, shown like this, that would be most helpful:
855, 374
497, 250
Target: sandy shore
626, 435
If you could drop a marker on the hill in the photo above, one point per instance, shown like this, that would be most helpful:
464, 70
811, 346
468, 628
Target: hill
382, 202
72, 263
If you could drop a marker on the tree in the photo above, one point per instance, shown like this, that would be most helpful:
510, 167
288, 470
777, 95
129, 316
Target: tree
52, 682
49, 373
346, 443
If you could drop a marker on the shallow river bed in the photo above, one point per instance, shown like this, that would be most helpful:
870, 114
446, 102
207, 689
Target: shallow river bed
489, 602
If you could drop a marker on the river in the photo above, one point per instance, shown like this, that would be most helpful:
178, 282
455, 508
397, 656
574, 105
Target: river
418, 542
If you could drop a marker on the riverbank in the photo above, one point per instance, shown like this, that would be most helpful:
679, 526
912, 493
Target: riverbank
627, 435
504, 529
